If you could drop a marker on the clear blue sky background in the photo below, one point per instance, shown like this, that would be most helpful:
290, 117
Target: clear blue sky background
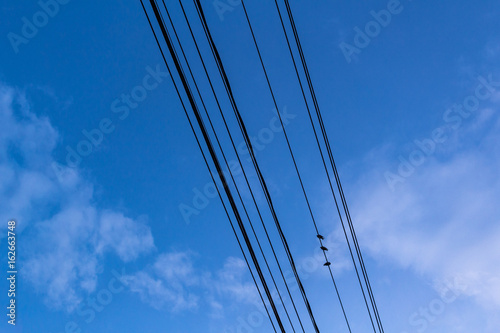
429, 230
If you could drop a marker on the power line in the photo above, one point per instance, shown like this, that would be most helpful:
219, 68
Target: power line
254, 161
337, 178
294, 162
226, 162
241, 164
206, 136
213, 155
208, 166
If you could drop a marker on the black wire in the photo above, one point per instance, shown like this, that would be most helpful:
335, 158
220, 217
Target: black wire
241, 164
208, 167
337, 178
324, 165
254, 161
295, 163
226, 162
332, 162
199, 119
322, 157
335, 199
220, 175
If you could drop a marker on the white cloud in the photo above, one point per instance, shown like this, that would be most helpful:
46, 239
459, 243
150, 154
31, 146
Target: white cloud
176, 267
64, 261
443, 221
166, 284
159, 294
66, 234
128, 238
173, 283
231, 281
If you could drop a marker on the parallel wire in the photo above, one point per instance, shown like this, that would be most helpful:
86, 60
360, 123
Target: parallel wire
261, 179
254, 161
335, 171
215, 160
227, 163
320, 150
208, 166
295, 164
241, 164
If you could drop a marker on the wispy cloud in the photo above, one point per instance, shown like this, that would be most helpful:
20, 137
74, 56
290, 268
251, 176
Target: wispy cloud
232, 281
68, 235
166, 283
127, 237
444, 221
173, 283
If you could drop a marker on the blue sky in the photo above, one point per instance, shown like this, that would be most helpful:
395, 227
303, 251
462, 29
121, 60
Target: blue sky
102, 244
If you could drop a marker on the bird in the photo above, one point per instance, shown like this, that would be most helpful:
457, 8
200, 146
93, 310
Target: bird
323, 248
320, 237
327, 263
